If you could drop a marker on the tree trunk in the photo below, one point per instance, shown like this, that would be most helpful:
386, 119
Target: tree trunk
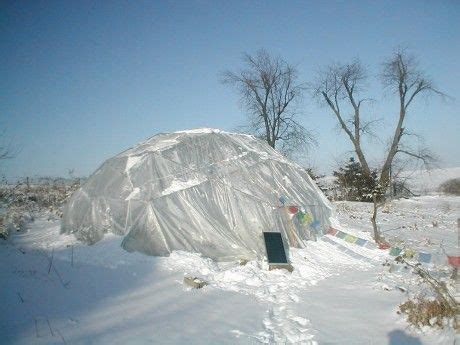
362, 159
385, 175
377, 237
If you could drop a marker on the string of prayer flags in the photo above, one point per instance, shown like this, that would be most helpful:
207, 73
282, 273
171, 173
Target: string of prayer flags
410, 253
347, 237
351, 238
303, 218
393, 251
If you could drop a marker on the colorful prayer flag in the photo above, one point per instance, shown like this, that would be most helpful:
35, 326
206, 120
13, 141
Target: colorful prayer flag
360, 242
315, 224
307, 218
453, 260
293, 209
370, 245
409, 253
341, 234
350, 238
331, 231
424, 257
300, 215
384, 245
395, 251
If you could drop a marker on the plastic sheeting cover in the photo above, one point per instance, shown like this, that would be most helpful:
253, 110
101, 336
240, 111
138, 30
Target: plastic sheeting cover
202, 190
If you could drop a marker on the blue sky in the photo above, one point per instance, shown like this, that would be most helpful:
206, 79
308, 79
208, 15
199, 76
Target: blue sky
82, 81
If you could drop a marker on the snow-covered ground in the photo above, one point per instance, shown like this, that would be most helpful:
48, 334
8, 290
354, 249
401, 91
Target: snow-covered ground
56, 290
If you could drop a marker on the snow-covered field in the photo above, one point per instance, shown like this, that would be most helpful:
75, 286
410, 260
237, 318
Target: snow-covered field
56, 290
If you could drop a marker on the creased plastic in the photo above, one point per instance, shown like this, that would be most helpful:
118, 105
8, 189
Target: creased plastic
203, 191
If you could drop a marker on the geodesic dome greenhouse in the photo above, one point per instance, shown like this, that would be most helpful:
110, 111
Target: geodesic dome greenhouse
204, 190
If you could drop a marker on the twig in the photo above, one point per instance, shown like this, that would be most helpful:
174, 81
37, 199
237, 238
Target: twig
49, 325
51, 261
62, 337
65, 285
383, 231
22, 251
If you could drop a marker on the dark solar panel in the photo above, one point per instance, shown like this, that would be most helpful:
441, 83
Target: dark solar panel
275, 248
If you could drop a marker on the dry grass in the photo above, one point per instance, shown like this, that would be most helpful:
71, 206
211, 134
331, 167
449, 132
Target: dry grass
439, 311
429, 312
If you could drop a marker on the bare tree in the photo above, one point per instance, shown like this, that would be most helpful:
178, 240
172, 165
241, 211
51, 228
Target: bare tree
402, 75
340, 87
269, 91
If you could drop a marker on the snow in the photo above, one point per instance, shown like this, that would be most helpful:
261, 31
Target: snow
135, 193
178, 185
338, 293
200, 131
132, 161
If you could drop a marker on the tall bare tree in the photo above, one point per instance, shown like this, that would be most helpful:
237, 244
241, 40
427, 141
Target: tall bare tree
341, 87
269, 91
402, 75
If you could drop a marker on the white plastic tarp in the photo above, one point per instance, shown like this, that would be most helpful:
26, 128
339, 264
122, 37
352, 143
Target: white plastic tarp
203, 191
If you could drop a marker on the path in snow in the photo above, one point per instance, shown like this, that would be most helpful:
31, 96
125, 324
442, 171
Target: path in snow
280, 289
